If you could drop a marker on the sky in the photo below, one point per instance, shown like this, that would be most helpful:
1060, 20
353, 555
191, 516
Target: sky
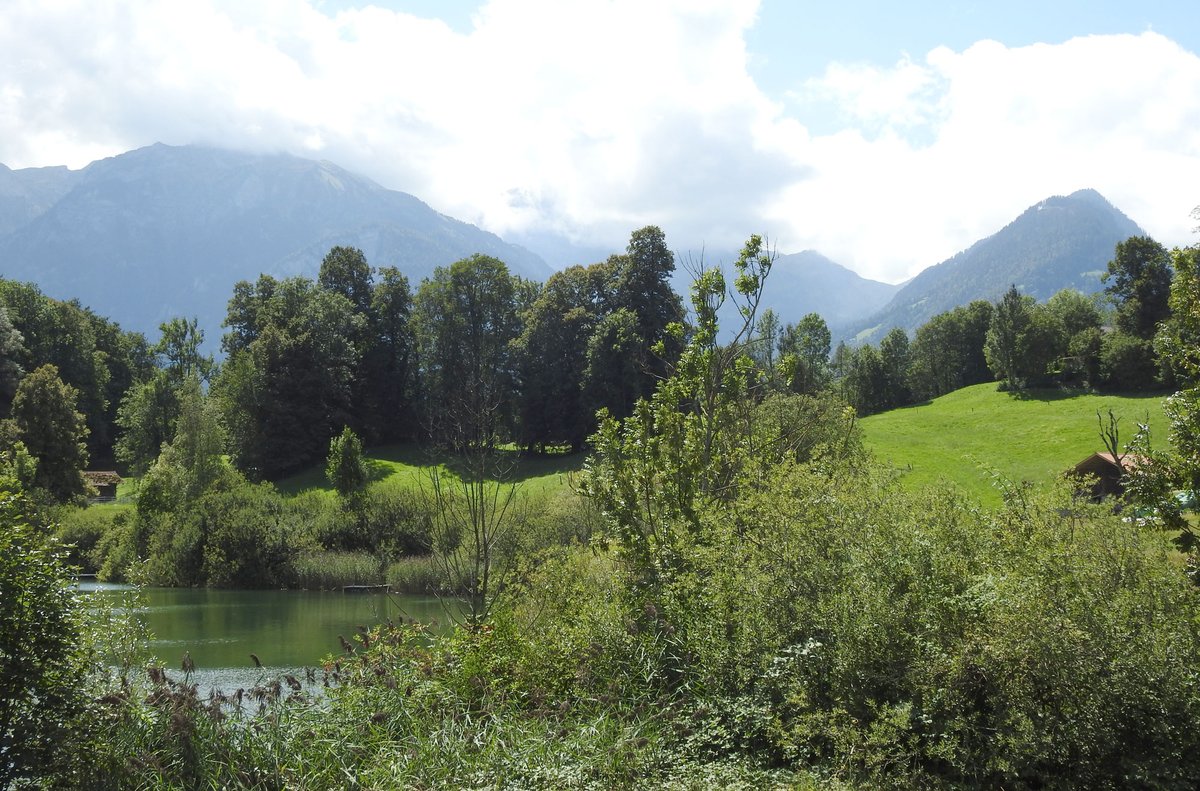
887, 136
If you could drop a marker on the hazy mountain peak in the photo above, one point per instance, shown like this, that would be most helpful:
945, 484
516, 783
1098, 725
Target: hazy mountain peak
166, 231
1060, 242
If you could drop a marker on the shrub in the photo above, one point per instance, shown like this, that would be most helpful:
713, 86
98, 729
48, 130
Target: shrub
83, 532
333, 570
1128, 362
42, 670
246, 541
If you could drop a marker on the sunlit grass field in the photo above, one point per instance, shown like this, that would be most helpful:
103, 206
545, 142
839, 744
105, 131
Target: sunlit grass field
411, 465
971, 435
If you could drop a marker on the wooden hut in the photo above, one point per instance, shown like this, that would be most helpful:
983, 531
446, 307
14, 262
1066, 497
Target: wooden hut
1107, 471
104, 482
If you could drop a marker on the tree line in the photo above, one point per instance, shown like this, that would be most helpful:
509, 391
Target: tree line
476, 356
1104, 341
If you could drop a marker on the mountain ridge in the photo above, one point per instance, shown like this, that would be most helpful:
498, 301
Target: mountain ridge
1059, 242
166, 231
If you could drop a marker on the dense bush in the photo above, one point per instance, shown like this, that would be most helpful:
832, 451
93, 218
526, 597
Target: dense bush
42, 664
1128, 362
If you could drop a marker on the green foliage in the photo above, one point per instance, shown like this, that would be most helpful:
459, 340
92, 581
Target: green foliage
552, 354
1156, 485
916, 627
92, 355
83, 531
947, 352
41, 667
333, 570
1127, 362
246, 543
146, 418
288, 385
684, 449
465, 319
344, 466
53, 432
804, 350
12, 349
388, 366
1139, 282
1006, 344
1080, 321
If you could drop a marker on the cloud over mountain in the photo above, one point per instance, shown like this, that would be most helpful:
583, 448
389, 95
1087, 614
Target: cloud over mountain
590, 119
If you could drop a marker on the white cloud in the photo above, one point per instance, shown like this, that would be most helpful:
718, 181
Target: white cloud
591, 118
1004, 129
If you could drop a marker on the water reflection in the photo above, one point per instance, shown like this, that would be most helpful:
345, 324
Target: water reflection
286, 630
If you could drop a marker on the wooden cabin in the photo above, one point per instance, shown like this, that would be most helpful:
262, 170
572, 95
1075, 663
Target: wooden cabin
1107, 472
104, 482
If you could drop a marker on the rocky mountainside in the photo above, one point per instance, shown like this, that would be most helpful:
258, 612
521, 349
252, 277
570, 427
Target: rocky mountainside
1062, 242
166, 231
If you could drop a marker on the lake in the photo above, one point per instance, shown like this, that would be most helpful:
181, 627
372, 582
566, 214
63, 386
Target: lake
287, 630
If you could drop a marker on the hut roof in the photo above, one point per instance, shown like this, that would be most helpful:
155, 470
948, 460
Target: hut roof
102, 477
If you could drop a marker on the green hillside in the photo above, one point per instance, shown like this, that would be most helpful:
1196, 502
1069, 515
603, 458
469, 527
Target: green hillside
966, 436
408, 464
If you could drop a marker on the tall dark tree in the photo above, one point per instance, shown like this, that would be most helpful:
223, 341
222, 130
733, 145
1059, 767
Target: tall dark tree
345, 271
763, 346
246, 313
642, 286
12, 349
948, 351
865, 384
388, 365
552, 359
894, 354
612, 379
178, 349
53, 430
464, 321
1138, 280
290, 389
91, 353
1005, 344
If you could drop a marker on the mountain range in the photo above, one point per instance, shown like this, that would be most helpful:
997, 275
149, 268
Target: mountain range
166, 231
1061, 242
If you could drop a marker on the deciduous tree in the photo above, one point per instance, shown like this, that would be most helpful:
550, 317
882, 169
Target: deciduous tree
1139, 282
44, 410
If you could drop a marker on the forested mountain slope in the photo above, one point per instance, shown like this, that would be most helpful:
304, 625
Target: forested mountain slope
1061, 242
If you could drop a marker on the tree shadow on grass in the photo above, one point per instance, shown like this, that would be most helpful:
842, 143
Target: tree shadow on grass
1050, 394
1047, 394
514, 466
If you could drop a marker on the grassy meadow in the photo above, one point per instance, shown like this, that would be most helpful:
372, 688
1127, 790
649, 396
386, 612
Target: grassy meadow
409, 465
971, 435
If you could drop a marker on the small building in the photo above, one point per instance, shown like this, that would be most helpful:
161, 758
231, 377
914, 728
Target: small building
1107, 471
104, 482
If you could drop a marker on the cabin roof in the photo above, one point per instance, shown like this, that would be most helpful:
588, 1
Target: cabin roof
102, 477
1129, 461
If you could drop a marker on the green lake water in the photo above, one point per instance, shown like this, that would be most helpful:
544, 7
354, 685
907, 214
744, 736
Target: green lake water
286, 630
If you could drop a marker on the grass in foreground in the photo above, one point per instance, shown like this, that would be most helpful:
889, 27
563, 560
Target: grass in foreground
967, 436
